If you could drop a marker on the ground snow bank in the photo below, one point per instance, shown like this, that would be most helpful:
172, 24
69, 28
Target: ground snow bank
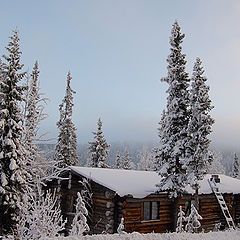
228, 235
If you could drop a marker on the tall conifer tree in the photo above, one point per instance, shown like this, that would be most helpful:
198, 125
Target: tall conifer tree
200, 126
13, 175
32, 118
171, 155
173, 132
34, 107
66, 148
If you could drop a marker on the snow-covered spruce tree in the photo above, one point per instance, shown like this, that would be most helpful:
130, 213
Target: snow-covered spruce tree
98, 148
216, 166
34, 107
79, 224
171, 155
14, 175
199, 128
192, 220
236, 168
180, 221
161, 152
126, 163
66, 148
2, 79
118, 164
173, 133
147, 159
39, 216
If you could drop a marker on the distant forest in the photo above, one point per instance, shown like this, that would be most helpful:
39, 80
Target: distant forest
222, 157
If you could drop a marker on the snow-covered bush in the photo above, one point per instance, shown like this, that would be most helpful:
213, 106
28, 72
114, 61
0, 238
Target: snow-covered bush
121, 227
181, 219
39, 216
86, 194
193, 223
79, 224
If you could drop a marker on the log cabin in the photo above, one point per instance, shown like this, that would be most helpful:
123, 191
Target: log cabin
134, 196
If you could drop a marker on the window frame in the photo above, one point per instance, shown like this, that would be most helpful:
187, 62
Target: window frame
150, 211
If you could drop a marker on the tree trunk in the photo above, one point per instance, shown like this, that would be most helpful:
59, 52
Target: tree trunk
196, 198
174, 213
1, 219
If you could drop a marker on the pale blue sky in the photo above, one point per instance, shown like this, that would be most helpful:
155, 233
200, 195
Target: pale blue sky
116, 52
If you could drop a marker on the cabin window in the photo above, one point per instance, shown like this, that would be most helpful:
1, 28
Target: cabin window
150, 210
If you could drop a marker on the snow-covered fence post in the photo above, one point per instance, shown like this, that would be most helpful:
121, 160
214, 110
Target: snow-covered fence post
180, 220
193, 220
79, 224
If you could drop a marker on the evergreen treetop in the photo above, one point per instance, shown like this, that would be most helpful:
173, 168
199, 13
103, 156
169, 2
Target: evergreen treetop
98, 148
118, 164
66, 148
236, 168
126, 160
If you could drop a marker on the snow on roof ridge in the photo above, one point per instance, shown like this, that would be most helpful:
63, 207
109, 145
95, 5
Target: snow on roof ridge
94, 179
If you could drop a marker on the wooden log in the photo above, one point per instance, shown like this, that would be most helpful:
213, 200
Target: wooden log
109, 213
110, 205
109, 194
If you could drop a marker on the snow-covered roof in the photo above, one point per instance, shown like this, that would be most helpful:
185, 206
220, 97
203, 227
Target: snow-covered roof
227, 185
139, 184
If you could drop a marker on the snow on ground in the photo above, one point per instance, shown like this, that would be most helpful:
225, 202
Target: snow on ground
228, 235
139, 184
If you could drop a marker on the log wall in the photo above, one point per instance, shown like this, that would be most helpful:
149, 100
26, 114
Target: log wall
211, 212
103, 210
109, 208
209, 209
133, 215
103, 204
237, 208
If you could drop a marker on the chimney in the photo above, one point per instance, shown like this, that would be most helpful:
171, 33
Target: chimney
215, 177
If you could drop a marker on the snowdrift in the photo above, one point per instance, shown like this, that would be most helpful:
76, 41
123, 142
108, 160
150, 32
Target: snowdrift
228, 235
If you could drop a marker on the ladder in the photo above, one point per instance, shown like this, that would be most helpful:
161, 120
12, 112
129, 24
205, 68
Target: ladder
222, 203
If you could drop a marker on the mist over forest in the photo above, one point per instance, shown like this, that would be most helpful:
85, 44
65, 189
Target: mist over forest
223, 155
